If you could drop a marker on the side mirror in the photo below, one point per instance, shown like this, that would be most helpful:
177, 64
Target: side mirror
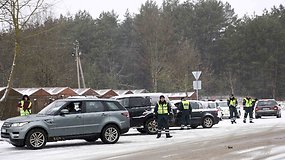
64, 111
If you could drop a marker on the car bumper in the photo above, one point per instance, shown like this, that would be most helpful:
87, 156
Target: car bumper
267, 113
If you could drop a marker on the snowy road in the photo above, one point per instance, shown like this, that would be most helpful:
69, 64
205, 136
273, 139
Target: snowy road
265, 139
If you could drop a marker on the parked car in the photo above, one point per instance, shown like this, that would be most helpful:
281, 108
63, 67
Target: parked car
213, 105
71, 118
201, 115
140, 107
267, 107
225, 109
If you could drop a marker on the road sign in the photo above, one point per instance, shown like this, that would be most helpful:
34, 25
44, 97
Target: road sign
197, 85
196, 74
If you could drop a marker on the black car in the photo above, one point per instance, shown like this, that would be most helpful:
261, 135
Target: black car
139, 107
267, 107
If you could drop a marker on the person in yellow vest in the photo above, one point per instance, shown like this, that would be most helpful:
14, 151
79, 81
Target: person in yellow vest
232, 103
25, 106
186, 110
247, 107
162, 110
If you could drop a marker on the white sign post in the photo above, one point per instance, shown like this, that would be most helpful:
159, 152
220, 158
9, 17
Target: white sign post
197, 84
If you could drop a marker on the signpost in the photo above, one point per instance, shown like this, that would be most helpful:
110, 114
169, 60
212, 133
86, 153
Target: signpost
197, 84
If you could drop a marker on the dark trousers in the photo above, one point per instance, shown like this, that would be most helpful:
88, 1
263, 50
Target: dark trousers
233, 113
248, 110
162, 122
185, 118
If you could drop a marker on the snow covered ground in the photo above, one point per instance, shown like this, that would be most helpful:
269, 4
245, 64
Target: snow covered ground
133, 141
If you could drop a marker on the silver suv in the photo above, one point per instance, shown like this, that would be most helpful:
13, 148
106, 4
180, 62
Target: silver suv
74, 118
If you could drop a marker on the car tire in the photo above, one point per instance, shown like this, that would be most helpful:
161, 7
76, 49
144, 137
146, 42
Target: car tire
141, 130
150, 126
91, 139
278, 116
208, 122
194, 126
36, 139
257, 116
110, 134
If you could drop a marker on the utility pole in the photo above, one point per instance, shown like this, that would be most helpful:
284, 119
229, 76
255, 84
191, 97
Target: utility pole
78, 65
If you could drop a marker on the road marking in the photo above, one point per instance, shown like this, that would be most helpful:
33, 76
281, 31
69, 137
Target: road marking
170, 155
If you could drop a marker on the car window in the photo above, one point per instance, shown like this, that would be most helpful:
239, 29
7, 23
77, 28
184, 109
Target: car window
137, 101
74, 107
124, 102
211, 105
222, 104
114, 106
267, 103
195, 105
52, 108
94, 106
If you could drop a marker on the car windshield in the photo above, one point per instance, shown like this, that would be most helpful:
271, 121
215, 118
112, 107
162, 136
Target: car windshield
223, 104
266, 103
52, 108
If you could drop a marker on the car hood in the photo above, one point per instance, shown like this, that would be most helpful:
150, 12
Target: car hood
33, 117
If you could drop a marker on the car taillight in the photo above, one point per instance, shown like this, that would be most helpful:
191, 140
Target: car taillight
275, 108
256, 108
126, 114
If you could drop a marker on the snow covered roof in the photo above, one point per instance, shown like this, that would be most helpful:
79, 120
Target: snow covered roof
136, 91
27, 91
122, 92
106, 93
85, 91
54, 90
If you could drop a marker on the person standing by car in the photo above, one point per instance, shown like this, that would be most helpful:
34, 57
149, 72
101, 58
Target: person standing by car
25, 106
247, 106
232, 103
186, 110
162, 110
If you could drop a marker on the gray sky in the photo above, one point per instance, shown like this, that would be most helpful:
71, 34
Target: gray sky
95, 7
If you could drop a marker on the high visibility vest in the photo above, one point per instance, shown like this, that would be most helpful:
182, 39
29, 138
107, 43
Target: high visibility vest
248, 102
233, 102
27, 111
186, 105
162, 108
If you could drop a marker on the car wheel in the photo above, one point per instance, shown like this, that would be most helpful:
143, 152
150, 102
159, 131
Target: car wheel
92, 139
150, 126
194, 126
278, 116
208, 122
141, 130
36, 139
110, 134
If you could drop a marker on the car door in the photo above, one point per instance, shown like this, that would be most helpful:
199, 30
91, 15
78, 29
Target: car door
95, 116
70, 123
197, 112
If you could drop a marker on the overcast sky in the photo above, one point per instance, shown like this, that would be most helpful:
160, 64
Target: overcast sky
95, 7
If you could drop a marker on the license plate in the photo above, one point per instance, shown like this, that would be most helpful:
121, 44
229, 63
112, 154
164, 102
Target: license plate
265, 109
3, 130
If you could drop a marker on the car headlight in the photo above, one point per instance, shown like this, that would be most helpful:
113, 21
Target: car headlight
20, 124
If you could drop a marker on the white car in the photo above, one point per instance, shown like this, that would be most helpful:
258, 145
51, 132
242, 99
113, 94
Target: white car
223, 105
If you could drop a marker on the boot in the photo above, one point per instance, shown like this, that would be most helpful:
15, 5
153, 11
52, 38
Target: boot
158, 134
168, 135
244, 121
251, 122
